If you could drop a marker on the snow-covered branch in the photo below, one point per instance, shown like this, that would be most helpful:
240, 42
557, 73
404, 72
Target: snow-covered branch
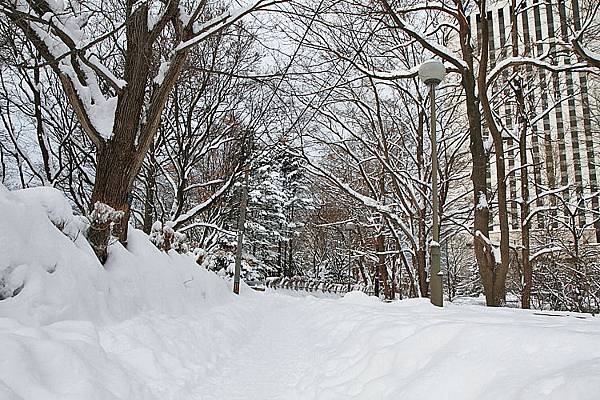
201, 31
197, 209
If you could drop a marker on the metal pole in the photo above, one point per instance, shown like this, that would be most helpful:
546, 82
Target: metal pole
349, 268
435, 281
240, 235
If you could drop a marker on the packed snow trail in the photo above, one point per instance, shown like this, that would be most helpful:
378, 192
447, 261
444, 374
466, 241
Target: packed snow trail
360, 348
275, 347
271, 363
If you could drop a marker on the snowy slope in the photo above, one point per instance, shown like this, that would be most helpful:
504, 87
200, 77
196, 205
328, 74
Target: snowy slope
156, 326
76, 330
64, 281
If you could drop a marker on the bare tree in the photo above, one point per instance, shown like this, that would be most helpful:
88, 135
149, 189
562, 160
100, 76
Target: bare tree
88, 46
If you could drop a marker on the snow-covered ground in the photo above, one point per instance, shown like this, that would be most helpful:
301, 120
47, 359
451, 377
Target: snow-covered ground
156, 326
360, 348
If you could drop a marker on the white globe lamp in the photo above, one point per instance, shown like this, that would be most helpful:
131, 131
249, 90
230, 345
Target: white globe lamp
432, 72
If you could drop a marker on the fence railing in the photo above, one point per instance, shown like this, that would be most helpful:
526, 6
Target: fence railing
313, 285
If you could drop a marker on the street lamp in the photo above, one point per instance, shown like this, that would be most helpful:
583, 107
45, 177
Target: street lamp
240, 233
350, 227
432, 72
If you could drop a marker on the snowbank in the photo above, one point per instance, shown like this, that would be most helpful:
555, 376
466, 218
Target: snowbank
57, 277
73, 329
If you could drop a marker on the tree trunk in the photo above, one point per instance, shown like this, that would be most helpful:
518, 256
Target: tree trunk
394, 288
478, 177
420, 264
39, 121
524, 204
383, 274
118, 160
412, 292
149, 198
114, 178
497, 297
527, 270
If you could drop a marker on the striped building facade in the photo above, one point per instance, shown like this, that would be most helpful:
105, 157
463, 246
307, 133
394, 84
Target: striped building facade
563, 136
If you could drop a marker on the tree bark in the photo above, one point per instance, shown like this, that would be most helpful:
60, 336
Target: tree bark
39, 121
524, 209
149, 197
496, 294
526, 263
112, 187
485, 263
383, 274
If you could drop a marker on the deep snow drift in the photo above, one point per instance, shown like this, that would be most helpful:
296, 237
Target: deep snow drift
156, 326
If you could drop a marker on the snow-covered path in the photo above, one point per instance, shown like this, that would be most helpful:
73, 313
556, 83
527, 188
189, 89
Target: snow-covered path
274, 347
271, 363
359, 348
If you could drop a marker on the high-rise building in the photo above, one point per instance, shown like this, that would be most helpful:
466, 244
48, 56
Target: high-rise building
561, 109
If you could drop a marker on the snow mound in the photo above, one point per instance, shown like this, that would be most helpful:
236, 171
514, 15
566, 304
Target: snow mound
359, 298
48, 271
71, 328
51, 200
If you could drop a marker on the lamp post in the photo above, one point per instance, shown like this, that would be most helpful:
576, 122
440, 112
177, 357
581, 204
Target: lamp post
350, 227
432, 72
240, 233
246, 151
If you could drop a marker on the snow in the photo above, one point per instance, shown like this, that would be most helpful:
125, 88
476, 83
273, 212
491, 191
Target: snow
482, 204
102, 114
205, 29
68, 34
360, 348
103, 213
100, 109
497, 254
162, 71
493, 245
119, 83
535, 62
64, 281
154, 325
390, 75
546, 250
51, 200
488, 144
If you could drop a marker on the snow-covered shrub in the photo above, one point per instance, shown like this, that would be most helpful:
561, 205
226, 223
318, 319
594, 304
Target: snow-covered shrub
179, 243
157, 235
222, 262
166, 238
